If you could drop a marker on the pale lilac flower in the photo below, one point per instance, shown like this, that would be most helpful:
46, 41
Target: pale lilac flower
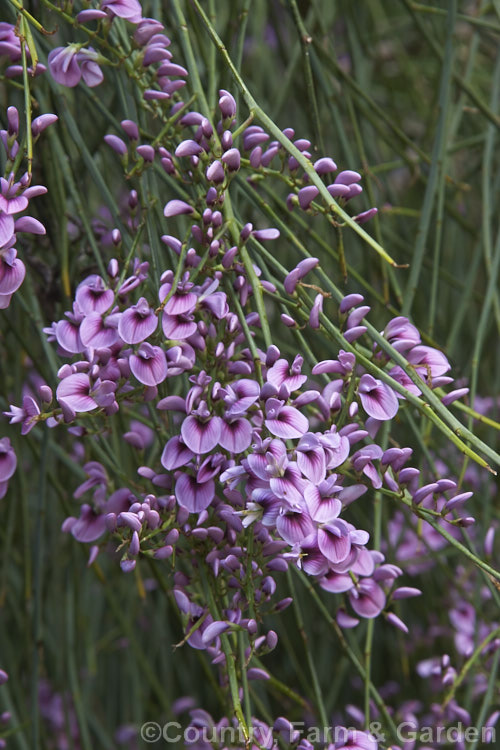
12, 272
99, 332
68, 65
8, 464
356, 740
27, 415
7, 228
88, 527
377, 399
336, 583
367, 598
92, 295
345, 620
362, 461
201, 431
398, 374
325, 165
235, 434
311, 458
67, 332
146, 29
40, 123
306, 195
192, 495
176, 208
290, 375
401, 334
10, 43
428, 361
175, 454
227, 104
365, 216
74, 391
294, 525
130, 10
322, 506
334, 541
316, 310
90, 14
149, 365
298, 273
137, 322
116, 143
284, 421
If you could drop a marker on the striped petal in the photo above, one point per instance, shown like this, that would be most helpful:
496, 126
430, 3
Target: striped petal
236, 436
75, 392
193, 496
201, 437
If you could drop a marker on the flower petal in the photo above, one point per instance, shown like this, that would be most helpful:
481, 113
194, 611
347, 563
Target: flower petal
193, 496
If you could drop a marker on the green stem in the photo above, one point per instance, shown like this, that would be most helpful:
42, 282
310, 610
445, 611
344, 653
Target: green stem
310, 661
379, 702
274, 130
468, 664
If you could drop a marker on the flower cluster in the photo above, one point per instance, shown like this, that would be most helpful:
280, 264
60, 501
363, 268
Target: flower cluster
246, 462
15, 196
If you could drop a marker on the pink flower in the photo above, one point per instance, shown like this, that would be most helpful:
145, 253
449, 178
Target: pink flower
130, 10
68, 65
377, 399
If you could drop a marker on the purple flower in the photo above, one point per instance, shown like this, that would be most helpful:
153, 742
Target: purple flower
362, 461
192, 495
334, 541
325, 165
311, 458
130, 10
367, 598
240, 396
8, 464
12, 272
235, 435
93, 296
137, 323
7, 228
146, 29
99, 332
311, 559
175, 454
294, 525
88, 527
282, 373
356, 740
74, 391
27, 415
377, 399
316, 309
149, 365
41, 122
401, 334
176, 208
68, 65
322, 507
285, 421
428, 361
336, 447
227, 104
201, 431
298, 273
8, 460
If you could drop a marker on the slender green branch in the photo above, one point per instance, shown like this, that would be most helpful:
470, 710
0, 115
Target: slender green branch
275, 131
